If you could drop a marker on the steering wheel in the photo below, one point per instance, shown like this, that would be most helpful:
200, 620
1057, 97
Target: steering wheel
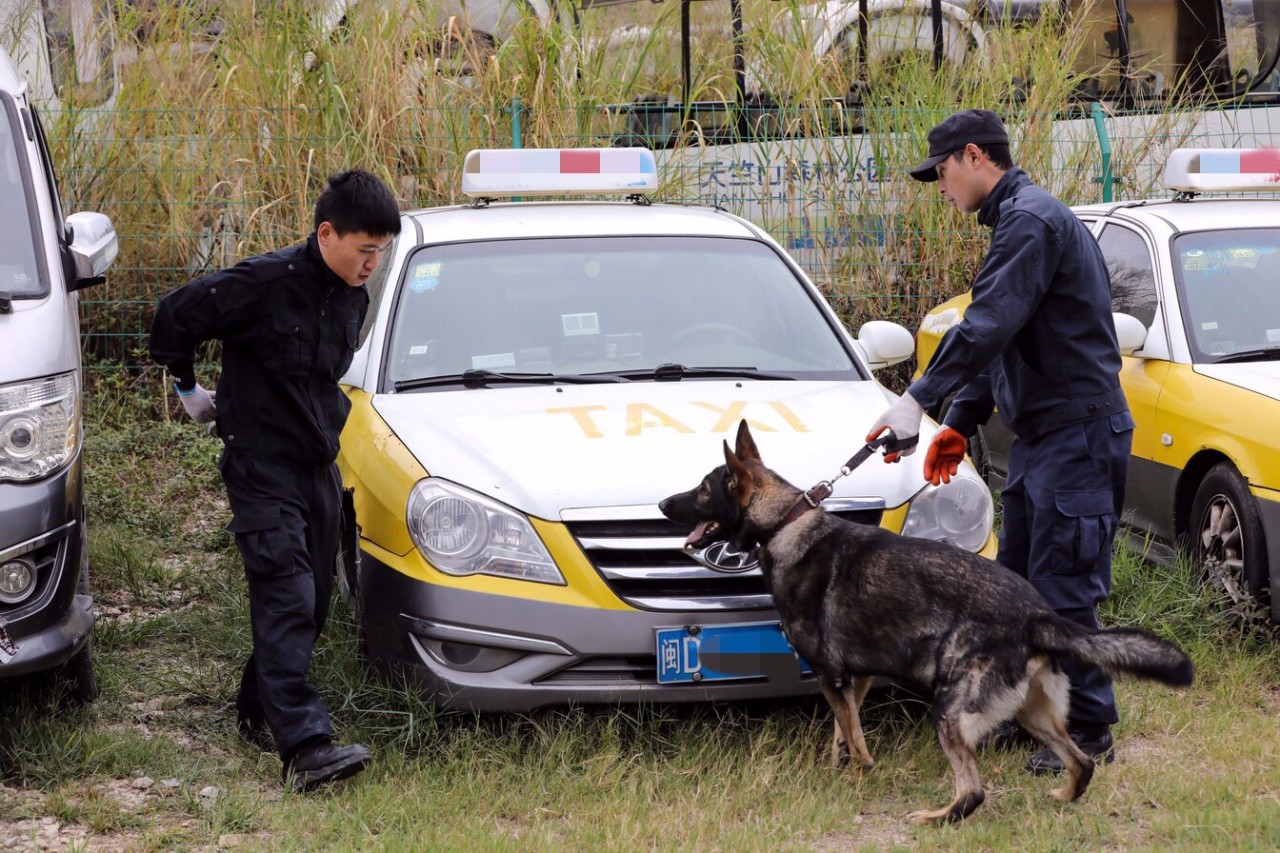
710, 331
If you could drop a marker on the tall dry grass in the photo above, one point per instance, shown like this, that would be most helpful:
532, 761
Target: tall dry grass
231, 115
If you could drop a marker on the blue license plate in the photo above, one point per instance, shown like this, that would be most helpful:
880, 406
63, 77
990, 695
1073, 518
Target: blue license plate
697, 653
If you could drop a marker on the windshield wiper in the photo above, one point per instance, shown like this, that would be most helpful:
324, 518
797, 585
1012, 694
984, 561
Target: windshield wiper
478, 378
1260, 354
671, 372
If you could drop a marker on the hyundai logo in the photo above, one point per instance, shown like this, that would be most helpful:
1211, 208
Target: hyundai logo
723, 557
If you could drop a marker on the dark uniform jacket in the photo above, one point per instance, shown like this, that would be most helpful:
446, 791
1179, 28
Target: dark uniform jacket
288, 327
1037, 340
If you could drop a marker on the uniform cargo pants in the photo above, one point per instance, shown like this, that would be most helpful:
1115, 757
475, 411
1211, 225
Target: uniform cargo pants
1061, 507
285, 521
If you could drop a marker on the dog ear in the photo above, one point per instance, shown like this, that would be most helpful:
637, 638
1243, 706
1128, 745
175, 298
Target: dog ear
740, 482
746, 444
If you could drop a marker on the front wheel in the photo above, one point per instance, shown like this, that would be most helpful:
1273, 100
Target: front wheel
348, 571
1226, 541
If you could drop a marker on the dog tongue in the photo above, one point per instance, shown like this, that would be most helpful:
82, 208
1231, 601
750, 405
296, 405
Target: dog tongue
697, 534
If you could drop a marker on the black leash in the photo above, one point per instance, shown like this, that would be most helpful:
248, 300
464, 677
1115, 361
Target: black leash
888, 442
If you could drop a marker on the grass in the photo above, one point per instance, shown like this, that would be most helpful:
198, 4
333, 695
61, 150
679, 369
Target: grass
1198, 769
212, 155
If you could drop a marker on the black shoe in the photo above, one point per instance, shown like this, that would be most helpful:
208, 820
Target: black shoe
256, 732
1095, 742
1008, 735
315, 764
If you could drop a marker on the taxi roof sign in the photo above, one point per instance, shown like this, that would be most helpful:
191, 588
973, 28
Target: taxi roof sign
1198, 170
504, 172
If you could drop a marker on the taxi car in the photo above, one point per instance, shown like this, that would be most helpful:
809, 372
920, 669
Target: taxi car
534, 377
1195, 283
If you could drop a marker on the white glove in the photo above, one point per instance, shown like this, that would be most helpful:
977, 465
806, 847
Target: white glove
199, 403
903, 417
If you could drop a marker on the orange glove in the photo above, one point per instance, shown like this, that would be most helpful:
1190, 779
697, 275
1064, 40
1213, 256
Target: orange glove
946, 451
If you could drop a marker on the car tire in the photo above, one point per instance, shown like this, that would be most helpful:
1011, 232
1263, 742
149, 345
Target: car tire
76, 681
348, 571
1225, 540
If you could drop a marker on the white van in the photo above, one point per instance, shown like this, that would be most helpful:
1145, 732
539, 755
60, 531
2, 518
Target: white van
45, 608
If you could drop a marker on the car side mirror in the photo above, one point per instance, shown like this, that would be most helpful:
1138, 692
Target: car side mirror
94, 246
1129, 332
884, 343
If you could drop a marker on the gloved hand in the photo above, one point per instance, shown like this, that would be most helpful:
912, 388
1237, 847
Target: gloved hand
903, 417
198, 402
946, 451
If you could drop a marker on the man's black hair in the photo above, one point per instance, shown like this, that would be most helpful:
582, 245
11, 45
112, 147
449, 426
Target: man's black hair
357, 201
998, 153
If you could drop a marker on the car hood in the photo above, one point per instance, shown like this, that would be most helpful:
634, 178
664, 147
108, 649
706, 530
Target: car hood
1260, 376
547, 449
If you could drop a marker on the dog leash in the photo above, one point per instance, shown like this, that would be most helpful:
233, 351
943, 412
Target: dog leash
815, 495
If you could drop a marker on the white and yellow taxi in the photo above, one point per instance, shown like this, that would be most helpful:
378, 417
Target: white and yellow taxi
534, 377
1195, 283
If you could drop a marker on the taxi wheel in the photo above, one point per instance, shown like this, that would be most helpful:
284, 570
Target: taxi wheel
1226, 540
348, 571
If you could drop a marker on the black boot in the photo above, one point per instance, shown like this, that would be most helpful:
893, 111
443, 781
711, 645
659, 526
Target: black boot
1094, 741
316, 763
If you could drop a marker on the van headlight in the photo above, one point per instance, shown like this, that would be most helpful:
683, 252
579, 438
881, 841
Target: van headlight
39, 426
960, 512
465, 533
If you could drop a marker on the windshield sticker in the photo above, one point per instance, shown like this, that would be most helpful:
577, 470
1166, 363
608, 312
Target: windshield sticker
425, 277
493, 360
580, 324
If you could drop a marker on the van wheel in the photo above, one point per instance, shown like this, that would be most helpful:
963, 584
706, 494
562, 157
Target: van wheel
79, 686
78, 683
1226, 542
348, 571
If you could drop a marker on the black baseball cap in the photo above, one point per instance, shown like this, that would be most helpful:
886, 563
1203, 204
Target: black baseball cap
981, 127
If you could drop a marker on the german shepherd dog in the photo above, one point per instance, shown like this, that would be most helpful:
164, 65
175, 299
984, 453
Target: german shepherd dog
857, 601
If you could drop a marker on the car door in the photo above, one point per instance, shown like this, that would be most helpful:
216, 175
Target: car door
1131, 262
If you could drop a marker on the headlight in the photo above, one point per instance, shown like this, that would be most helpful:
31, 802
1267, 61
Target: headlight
959, 512
464, 533
39, 426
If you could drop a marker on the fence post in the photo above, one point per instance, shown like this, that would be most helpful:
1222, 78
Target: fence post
1104, 142
517, 137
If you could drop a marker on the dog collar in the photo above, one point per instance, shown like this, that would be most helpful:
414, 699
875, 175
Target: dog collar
808, 500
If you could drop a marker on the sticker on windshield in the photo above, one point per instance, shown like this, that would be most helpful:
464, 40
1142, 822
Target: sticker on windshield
424, 277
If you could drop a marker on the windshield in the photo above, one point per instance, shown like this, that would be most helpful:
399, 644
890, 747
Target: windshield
18, 274
602, 305
1230, 290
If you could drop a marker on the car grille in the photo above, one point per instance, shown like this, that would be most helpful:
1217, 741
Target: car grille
643, 561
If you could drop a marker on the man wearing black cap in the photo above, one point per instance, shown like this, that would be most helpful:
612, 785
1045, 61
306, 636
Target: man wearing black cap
1037, 342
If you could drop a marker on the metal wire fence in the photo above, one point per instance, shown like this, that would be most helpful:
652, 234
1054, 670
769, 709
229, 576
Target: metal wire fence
192, 191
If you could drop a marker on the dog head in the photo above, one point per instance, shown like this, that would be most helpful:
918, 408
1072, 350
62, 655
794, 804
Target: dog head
717, 508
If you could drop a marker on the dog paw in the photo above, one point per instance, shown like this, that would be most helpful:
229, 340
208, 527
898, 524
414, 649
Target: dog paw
925, 818
1065, 794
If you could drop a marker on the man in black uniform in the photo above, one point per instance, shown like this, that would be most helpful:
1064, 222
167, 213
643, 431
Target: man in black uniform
1038, 343
289, 322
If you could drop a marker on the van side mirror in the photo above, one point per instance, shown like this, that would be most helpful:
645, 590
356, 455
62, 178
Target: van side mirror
1130, 332
93, 245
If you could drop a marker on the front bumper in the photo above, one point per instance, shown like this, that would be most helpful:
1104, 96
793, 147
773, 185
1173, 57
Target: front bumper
43, 522
530, 652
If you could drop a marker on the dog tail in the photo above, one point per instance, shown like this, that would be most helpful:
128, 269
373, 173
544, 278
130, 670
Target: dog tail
1116, 650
